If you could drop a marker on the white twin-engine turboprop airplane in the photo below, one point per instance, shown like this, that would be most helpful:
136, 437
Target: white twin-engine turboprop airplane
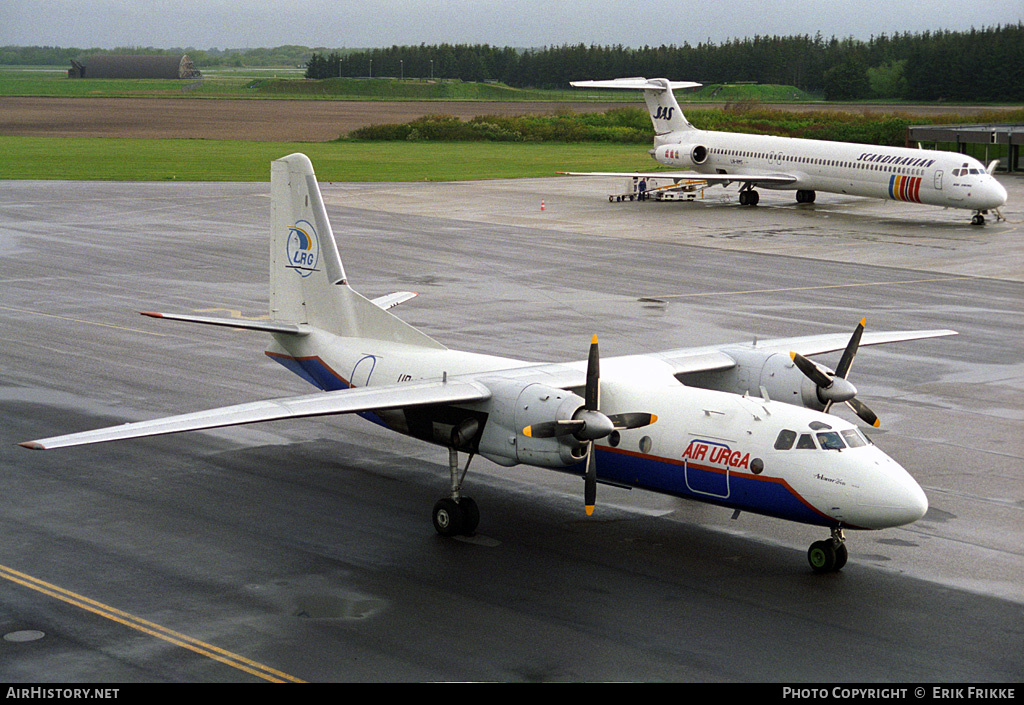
678, 422
785, 163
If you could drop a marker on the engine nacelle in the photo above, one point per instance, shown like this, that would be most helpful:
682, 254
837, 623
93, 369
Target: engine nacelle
775, 372
514, 406
682, 155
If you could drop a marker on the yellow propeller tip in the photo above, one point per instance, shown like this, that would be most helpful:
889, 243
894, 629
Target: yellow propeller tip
864, 320
593, 340
877, 423
528, 431
590, 509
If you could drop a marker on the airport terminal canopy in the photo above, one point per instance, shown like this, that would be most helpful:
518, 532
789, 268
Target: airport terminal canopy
985, 142
134, 66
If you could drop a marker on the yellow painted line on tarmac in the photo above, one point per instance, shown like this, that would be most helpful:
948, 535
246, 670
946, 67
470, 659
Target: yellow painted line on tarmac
80, 320
115, 615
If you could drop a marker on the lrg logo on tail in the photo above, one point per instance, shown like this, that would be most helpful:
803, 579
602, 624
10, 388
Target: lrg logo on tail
303, 248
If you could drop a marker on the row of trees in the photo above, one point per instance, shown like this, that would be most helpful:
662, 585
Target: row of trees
979, 65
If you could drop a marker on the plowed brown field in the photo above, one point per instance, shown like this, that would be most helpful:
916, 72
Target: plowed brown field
261, 120
291, 120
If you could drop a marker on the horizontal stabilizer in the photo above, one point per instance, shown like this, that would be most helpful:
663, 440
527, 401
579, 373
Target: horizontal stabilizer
636, 83
266, 326
347, 401
392, 300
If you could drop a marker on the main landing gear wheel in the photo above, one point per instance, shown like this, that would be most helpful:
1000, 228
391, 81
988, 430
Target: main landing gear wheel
749, 197
454, 518
830, 555
805, 196
456, 515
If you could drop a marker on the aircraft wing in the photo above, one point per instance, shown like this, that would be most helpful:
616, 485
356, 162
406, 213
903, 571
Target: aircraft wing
779, 178
709, 359
345, 401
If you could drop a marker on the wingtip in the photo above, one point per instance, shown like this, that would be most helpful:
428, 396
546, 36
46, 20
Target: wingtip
32, 445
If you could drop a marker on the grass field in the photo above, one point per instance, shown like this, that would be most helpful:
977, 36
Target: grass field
217, 160
288, 83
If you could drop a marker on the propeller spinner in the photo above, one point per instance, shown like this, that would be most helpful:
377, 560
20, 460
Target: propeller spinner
590, 424
834, 387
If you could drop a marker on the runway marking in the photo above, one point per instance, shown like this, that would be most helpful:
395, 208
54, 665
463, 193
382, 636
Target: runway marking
80, 320
815, 287
216, 653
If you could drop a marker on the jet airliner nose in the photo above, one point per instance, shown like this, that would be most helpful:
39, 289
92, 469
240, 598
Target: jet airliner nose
992, 194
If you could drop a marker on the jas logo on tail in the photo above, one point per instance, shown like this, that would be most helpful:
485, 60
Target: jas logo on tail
664, 113
302, 248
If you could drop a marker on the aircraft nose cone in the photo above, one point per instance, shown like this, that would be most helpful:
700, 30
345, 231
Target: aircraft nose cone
910, 502
890, 498
992, 194
1000, 193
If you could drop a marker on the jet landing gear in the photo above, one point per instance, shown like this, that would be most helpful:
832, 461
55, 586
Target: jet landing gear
748, 196
456, 515
804, 196
979, 217
828, 556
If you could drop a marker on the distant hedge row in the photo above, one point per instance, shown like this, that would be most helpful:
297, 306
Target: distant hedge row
633, 126
622, 125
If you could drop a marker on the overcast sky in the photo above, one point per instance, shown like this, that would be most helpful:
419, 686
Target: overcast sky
520, 23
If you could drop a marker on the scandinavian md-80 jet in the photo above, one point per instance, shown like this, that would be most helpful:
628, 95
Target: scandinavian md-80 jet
762, 161
740, 426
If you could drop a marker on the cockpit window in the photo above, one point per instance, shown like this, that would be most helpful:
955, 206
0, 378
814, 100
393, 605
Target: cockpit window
853, 438
806, 442
830, 440
785, 440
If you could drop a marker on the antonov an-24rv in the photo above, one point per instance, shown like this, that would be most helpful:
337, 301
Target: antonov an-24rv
678, 422
806, 166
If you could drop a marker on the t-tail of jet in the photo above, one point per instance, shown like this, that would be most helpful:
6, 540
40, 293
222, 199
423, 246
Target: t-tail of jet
308, 285
666, 115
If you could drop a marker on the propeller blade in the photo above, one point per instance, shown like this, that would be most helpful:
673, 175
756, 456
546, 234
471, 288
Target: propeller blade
812, 371
590, 482
592, 395
846, 361
632, 420
836, 389
866, 414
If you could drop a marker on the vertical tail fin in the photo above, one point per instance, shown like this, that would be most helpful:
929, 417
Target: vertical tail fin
308, 284
661, 102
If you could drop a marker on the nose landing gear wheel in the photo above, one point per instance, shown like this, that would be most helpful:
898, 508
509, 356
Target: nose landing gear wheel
822, 557
830, 555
